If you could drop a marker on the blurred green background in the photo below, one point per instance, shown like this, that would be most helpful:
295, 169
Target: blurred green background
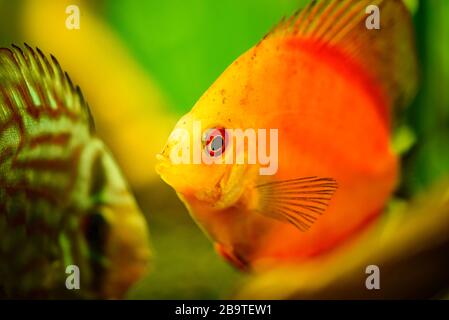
184, 46
187, 44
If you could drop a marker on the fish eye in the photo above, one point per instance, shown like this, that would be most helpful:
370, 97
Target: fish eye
215, 141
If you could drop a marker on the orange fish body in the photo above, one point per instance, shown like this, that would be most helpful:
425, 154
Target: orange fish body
332, 114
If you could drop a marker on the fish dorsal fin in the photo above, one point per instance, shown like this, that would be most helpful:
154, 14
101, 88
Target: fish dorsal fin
388, 54
35, 85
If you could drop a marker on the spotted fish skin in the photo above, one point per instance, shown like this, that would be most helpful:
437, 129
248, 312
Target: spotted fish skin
63, 200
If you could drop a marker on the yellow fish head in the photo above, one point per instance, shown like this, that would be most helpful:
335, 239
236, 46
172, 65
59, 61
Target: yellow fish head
196, 161
199, 161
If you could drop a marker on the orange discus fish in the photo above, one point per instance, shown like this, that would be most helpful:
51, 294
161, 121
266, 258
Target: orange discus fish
329, 86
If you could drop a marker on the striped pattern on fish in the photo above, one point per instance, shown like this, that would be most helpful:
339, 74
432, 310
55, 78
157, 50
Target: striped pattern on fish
55, 174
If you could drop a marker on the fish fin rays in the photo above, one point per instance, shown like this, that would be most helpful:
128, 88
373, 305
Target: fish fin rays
296, 201
36, 84
388, 54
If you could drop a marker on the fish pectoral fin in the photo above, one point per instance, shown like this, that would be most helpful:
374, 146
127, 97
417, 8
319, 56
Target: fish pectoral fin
297, 201
42, 83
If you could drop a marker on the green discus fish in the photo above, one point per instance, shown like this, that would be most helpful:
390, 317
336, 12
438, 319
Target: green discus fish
63, 200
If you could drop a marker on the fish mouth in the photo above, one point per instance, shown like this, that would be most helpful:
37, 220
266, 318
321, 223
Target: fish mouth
161, 157
165, 169
163, 163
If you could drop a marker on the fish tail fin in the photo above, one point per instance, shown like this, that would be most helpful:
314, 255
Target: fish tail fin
377, 35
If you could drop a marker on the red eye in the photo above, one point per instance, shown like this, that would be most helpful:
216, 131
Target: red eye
215, 141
